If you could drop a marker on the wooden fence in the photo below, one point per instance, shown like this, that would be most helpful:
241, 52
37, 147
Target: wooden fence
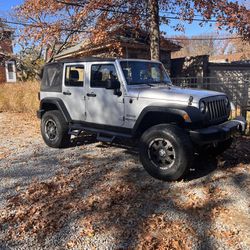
238, 90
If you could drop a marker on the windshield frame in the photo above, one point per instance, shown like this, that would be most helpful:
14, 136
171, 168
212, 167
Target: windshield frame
150, 82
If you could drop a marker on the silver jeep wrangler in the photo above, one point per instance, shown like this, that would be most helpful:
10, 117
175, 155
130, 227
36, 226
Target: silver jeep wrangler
135, 99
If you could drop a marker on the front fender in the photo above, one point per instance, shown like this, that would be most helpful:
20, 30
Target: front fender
175, 113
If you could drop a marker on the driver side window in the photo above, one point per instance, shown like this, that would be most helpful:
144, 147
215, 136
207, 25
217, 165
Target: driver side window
100, 73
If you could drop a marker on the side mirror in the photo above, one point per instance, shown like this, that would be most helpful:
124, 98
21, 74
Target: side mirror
115, 85
112, 84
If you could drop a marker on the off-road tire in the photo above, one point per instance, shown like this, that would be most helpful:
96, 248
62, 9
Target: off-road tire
60, 138
182, 147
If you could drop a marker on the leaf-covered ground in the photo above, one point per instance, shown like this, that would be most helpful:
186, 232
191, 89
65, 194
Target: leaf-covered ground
97, 196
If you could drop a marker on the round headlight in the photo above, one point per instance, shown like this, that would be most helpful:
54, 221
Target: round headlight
202, 107
226, 102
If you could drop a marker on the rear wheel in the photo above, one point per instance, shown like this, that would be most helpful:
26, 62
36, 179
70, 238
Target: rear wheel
166, 152
54, 129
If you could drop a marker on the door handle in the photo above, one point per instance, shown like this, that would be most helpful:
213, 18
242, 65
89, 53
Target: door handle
66, 93
91, 94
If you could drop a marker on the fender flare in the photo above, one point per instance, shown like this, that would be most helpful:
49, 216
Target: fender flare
176, 112
58, 103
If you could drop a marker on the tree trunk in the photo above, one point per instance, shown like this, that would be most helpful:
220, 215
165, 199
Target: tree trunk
154, 29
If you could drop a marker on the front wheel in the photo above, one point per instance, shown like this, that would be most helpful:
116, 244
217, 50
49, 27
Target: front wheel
54, 129
166, 152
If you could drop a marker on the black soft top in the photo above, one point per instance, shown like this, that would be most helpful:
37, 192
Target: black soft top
85, 59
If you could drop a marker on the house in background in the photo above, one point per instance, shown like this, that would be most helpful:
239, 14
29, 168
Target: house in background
238, 57
222, 68
7, 63
127, 43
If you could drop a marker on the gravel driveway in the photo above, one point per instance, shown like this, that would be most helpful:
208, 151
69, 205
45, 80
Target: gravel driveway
96, 196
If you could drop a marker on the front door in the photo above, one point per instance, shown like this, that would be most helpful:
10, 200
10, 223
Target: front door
102, 105
73, 92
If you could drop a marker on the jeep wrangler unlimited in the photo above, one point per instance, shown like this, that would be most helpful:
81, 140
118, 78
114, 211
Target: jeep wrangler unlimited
134, 99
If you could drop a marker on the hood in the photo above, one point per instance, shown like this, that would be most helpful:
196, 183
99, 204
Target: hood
171, 93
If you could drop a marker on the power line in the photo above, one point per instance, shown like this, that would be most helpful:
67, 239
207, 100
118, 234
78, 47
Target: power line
85, 31
177, 13
19, 23
204, 39
39, 26
126, 12
131, 13
187, 19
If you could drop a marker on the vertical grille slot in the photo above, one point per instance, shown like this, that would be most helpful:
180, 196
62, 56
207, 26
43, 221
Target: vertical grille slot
216, 109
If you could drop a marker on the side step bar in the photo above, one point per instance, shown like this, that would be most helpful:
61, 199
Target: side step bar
102, 135
104, 138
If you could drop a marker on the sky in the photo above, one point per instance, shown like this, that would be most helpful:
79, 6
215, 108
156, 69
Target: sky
193, 29
5, 5
190, 29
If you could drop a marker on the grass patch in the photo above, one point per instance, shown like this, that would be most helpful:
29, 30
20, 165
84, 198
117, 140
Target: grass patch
19, 97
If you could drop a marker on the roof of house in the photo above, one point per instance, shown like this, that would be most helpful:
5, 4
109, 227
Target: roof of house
126, 38
235, 57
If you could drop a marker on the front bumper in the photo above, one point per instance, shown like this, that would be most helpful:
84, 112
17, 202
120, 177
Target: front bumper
219, 132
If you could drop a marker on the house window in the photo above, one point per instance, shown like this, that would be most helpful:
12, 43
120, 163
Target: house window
100, 73
10, 69
74, 76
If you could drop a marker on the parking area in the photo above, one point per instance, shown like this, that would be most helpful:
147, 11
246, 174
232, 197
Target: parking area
98, 196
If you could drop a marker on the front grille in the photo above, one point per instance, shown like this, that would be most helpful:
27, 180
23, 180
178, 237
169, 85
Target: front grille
216, 109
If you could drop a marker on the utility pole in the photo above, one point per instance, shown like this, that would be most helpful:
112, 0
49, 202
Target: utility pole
154, 29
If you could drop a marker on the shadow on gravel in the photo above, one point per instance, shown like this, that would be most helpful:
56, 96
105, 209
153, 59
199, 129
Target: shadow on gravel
201, 167
239, 153
84, 139
157, 216
137, 210
146, 213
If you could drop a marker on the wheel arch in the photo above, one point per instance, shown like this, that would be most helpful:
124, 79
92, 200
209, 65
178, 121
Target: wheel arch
152, 116
48, 104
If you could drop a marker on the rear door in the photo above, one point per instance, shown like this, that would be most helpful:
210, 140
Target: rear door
73, 91
102, 105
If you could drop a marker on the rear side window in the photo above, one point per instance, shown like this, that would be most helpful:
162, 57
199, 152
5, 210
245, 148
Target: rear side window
100, 73
74, 76
52, 77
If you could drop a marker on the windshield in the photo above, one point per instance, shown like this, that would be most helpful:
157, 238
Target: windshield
137, 72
